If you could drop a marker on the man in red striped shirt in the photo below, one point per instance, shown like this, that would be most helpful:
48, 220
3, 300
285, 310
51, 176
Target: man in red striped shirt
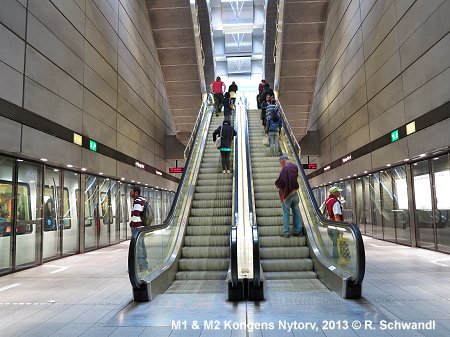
135, 223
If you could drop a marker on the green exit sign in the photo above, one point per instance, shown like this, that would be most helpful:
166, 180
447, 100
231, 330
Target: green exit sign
394, 136
92, 145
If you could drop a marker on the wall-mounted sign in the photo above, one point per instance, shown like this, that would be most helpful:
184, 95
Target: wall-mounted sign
309, 166
77, 139
394, 136
140, 165
346, 159
411, 128
176, 169
92, 145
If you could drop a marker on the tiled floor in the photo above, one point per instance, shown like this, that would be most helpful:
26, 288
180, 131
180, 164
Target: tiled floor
90, 295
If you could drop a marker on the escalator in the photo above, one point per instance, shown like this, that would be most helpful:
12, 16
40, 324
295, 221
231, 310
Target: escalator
286, 262
205, 256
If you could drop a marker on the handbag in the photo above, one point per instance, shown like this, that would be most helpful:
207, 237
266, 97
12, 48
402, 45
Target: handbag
265, 140
219, 139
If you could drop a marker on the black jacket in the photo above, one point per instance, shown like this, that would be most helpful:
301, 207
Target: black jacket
227, 135
233, 87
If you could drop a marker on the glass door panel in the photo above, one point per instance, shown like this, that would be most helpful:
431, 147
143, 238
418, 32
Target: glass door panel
70, 223
91, 221
441, 175
51, 245
115, 220
367, 206
6, 213
28, 216
401, 210
375, 201
105, 212
359, 198
387, 204
423, 205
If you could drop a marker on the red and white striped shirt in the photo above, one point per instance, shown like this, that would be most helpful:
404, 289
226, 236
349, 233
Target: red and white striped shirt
136, 212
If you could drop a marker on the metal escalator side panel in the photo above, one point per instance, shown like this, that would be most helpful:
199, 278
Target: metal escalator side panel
338, 246
163, 242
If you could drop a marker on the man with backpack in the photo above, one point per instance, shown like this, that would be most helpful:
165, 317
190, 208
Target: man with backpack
137, 212
273, 130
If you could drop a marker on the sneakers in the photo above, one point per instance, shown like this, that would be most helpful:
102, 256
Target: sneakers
228, 171
223, 171
285, 236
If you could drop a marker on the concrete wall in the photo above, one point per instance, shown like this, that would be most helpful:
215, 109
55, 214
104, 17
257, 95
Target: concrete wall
91, 66
383, 64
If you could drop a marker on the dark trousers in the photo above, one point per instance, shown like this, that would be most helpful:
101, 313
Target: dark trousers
226, 160
218, 102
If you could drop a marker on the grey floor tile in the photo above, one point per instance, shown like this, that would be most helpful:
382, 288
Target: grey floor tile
71, 330
156, 331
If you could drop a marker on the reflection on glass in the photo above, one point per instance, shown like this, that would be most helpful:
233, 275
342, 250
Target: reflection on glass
387, 204
423, 205
52, 204
6, 204
375, 201
359, 199
91, 221
28, 212
70, 213
367, 206
400, 204
441, 175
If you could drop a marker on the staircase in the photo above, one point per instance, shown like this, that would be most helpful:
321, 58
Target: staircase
205, 257
285, 261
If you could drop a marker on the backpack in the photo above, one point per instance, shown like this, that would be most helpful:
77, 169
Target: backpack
147, 214
274, 126
324, 210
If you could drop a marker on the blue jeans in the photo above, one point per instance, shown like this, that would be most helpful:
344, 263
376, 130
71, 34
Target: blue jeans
274, 142
291, 202
141, 253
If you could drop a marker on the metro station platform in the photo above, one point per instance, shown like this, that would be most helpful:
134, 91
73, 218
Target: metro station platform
90, 295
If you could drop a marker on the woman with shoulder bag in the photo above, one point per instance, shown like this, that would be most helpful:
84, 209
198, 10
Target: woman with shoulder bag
227, 134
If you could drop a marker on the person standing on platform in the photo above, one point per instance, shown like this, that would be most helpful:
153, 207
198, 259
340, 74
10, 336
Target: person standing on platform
287, 184
218, 88
136, 222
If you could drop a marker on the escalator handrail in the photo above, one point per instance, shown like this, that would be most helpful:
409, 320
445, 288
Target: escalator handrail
361, 265
251, 208
235, 220
135, 235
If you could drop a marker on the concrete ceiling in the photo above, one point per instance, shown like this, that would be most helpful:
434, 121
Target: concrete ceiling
303, 28
173, 31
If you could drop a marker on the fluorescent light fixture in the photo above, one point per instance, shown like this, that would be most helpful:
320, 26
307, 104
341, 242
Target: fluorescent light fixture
139, 182
83, 169
388, 165
101, 173
365, 172
355, 175
407, 159
44, 159
348, 177
132, 181
69, 165
19, 160
122, 178
435, 158
55, 170
423, 155
236, 29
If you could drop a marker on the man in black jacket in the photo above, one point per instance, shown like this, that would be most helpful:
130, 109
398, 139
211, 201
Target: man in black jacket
226, 133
